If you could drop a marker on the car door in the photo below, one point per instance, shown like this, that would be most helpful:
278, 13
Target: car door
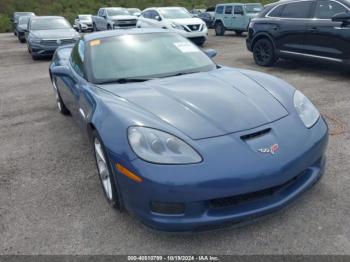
228, 16
101, 22
327, 39
69, 86
290, 25
239, 18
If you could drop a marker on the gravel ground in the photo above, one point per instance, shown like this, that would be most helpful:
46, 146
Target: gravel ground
51, 201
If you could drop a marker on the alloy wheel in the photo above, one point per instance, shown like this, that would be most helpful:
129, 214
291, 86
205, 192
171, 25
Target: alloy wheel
103, 170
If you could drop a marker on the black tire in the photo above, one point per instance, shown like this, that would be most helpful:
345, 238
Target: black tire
238, 32
60, 104
34, 57
219, 28
22, 40
264, 52
200, 42
115, 202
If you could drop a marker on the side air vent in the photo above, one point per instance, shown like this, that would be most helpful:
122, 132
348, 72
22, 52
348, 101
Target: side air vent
256, 134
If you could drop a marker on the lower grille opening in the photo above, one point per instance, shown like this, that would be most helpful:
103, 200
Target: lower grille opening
167, 208
249, 197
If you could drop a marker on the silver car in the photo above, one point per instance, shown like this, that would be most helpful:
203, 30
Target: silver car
46, 33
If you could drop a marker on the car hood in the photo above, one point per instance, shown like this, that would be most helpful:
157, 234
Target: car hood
205, 105
55, 34
123, 17
187, 21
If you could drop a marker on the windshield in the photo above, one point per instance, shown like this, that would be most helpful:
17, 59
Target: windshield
253, 8
144, 56
23, 20
49, 24
117, 11
175, 13
84, 17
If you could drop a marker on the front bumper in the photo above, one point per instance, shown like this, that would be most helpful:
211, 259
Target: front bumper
193, 34
233, 184
39, 49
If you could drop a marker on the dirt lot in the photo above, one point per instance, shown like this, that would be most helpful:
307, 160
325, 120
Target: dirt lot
51, 201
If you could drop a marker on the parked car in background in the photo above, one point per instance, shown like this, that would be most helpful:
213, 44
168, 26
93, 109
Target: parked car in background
314, 30
16, 16
21, 28
235, 17
46, 33
207, 18
181, 143
134, 11
211, 10
196, 12
83, 23
109, 18
176, 19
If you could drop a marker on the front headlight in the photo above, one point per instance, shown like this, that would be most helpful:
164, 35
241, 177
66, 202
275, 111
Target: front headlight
306, 110
35, 40
160, 147
176, 26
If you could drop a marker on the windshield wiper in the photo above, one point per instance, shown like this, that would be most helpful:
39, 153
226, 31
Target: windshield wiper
125, 80
182, 73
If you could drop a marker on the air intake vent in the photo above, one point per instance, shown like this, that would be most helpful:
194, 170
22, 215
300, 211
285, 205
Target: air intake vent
256, 134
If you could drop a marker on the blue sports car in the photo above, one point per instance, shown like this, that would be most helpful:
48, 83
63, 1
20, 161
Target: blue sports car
180, 142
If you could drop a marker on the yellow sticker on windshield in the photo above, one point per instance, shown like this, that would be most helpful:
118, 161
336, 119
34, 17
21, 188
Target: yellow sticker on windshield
95, 42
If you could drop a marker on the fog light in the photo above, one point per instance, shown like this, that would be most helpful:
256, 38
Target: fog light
167, 208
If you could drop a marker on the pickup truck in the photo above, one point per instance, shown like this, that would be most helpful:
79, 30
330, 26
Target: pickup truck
109, 18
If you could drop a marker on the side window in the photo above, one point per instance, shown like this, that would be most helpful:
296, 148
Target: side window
220, 9
238, 9
146, 14
297, 10
325, 9
277, 11
228, 9
77, 58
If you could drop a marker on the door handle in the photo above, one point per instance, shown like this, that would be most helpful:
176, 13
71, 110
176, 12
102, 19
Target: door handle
276, 27
313, 29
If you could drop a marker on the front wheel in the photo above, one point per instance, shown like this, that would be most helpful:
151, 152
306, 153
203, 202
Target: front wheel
219, 29
264, 52
60, 105
104, 171
238, 32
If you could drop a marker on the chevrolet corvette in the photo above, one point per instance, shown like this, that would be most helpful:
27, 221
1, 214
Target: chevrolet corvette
180, 142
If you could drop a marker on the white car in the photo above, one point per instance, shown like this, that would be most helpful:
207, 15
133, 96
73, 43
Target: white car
177, 19
83, 23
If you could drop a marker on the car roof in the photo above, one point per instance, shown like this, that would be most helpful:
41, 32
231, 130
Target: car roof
239, 4
46, 17
134, 31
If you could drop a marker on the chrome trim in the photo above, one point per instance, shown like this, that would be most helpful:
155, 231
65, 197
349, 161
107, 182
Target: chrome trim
81, 111
314, 56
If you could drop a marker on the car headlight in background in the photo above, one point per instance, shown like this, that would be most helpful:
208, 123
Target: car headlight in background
160, 147
35, 40
176, 26
306, 110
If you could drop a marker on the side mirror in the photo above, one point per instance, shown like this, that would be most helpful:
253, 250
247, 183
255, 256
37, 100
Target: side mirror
342, 17
158, 18
61, 71
211, 53
137, 14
